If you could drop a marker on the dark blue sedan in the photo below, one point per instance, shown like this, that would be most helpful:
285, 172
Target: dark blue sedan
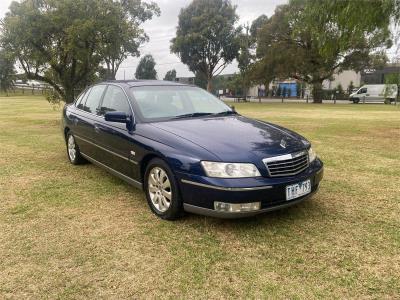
188, 150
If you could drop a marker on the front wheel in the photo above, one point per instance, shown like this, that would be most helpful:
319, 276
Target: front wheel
356, 100
162, 191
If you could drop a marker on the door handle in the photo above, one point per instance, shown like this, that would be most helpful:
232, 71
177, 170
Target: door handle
96, 128
366, 94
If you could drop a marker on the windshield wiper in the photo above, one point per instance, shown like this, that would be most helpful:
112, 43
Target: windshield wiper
192, 115
225, 113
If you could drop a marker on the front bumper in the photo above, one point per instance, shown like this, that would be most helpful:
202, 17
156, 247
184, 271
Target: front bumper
199, 193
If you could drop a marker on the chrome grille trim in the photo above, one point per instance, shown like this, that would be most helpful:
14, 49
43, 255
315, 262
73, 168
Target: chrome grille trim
287, 165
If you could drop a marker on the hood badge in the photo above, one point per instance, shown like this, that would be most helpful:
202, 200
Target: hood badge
283, 144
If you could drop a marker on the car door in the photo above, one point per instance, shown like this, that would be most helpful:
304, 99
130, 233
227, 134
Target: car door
85, 117
74, 114
118, 145
362, 94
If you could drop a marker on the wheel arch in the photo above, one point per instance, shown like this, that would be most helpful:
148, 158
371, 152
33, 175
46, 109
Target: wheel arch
145, 161
66, 130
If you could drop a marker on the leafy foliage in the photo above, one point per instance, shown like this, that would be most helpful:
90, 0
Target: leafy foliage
236, 86
170, 75
206, 38
66, 42
122, 34
256, 25
145, 68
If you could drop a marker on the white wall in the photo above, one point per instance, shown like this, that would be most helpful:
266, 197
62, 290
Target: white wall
344, 79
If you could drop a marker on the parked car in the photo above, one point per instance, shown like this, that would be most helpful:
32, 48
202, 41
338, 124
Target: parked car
188, 150
375, 93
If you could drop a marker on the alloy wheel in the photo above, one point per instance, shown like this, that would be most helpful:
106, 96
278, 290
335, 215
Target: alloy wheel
71, 148
159, 188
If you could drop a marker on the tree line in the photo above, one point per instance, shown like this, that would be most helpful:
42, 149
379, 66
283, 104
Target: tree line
72, 43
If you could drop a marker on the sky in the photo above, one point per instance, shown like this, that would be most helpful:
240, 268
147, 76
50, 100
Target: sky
162, 29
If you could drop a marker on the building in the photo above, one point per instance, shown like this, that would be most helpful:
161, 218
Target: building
294, 88
344, 79
379, 75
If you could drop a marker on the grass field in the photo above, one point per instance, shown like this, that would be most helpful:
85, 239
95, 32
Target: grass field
77, 232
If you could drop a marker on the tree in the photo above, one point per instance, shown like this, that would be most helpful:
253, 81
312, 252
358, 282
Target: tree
307, 41
7, 71
235, 85
200, 80
254, 74
206, 38
66, 42
145, 68
244, 59
246, 56
256, 25
171, 75
122, 35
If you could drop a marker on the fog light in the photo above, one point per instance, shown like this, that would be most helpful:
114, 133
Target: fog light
236, 207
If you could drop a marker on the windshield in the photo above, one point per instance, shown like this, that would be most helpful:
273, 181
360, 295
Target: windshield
169, 102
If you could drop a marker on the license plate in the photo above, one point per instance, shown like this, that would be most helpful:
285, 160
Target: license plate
297, 190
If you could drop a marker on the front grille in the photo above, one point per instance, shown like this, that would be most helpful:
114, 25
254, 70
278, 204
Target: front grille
287, 165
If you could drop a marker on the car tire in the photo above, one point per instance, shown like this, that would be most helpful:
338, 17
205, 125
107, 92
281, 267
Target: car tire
356, 100
73, 152
162, 192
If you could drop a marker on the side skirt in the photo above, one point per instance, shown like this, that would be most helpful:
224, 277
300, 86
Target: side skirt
129, 180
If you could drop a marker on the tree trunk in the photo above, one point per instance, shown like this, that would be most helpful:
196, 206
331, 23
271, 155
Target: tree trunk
317, 91
69, 95
209, 84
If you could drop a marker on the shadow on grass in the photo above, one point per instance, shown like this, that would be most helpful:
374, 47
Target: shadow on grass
297, 216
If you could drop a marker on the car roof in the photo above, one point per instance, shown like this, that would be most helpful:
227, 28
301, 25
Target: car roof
133, 83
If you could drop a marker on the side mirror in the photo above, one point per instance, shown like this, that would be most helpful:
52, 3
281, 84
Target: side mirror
233, 108
121, 117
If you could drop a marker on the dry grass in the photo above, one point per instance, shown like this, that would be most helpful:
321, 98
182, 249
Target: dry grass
77, 232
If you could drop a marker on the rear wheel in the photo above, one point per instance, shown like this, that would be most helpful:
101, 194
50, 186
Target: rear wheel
162, 191
73, 152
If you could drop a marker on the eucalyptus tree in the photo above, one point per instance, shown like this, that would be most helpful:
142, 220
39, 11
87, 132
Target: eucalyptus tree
206, 37
7, 71
170, 75
145, 68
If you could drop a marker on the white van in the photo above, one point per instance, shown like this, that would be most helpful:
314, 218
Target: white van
375, 93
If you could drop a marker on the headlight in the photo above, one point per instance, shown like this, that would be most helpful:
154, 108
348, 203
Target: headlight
229, 170
311, 155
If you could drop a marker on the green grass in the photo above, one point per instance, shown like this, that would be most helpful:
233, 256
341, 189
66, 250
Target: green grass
77, 232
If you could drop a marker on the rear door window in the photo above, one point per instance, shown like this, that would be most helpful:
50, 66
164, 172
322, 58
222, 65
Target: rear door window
93, 99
